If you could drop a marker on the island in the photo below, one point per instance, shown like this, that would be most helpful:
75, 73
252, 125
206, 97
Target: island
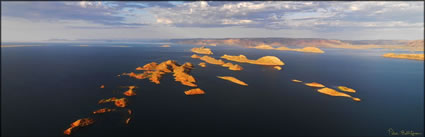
315, 84
405, 56
79, 123
202, 50
122, 102
212, 60
165, 46
196, 91
294, 80
263, 46
266, 60
181, 75
310, 50
332, 92
202, 64
103, 110
130, 91
233, 79
195, 56
277, 67
155, 71
346, 89
128, 120
305, 49
230, 66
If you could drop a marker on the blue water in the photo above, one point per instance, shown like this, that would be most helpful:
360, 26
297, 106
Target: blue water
46, 88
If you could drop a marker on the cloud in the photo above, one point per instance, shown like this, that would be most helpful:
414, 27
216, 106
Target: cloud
295, 15
104, 13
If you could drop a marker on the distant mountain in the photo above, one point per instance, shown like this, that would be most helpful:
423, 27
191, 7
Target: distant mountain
305, 42
416, 44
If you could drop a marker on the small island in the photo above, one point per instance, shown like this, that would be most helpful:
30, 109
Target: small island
202, 50
103, 110
130, 91
196, 91
332, 92
404, 56
233, 79
79, 123
315, 84
346, 89
277, 67
195, 56
294, 80
154, 72
230, 66
202, 64
266, 60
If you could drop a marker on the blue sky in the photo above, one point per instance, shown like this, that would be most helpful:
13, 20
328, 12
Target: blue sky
73, 20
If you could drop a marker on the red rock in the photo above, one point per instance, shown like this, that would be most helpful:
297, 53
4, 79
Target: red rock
196, 91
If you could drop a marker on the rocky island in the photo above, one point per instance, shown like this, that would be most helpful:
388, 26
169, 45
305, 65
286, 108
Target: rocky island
404, 56
294, 80
103, 110
195, 56
130, 91
79, 123
277, 67
233, 79
202, 64
266, 60
196, 91
346, 89
332, 92
315, 84
230, 66
202, 50
121, 102
154, 72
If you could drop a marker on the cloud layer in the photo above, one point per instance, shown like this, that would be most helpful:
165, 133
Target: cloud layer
285, 14
332, 19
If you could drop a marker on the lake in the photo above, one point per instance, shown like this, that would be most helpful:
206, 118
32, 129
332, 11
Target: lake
46, 88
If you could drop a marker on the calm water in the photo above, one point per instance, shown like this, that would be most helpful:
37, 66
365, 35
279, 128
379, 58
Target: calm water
44, 89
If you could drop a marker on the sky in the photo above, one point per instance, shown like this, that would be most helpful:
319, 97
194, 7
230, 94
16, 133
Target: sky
81, 20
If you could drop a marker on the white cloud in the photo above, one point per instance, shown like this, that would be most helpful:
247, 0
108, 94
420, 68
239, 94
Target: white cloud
286, 14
